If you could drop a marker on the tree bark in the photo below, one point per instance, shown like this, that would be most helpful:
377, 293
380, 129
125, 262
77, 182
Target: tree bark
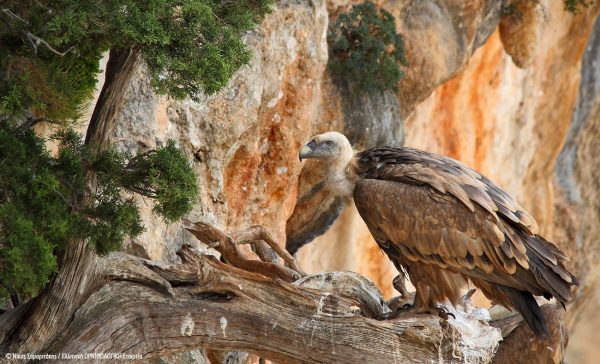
125, 304
120, 67
30, 327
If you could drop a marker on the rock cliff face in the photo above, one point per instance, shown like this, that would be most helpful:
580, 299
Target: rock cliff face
533, 130
244, 139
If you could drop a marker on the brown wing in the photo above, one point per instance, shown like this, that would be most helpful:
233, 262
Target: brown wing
434, 210
447, 176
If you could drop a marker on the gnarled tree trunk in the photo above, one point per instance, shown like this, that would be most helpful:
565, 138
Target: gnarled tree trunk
31, 326
125, 304
121, 66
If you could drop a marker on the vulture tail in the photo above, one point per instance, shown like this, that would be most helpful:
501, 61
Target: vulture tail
527, 306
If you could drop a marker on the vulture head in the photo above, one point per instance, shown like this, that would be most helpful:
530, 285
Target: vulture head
332, 147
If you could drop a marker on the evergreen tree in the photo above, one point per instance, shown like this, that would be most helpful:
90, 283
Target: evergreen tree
49, 59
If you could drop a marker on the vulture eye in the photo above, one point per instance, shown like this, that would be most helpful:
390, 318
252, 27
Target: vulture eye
329, 143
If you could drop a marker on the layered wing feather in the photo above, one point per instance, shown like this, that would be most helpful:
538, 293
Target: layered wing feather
434, 210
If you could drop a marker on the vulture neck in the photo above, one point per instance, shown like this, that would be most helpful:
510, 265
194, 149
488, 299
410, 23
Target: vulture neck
341, 176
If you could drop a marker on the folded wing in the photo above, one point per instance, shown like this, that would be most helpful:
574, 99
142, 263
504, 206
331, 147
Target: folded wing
434, 210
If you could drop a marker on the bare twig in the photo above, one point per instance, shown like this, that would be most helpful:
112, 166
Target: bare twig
65, 200
34, 39
13, 15
30, 123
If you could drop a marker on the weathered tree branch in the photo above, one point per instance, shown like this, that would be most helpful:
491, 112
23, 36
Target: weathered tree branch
131, 305
257, 233
226, 246
222, 307
120, 67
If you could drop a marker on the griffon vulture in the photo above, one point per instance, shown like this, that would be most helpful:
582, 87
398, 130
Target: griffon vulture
444, 225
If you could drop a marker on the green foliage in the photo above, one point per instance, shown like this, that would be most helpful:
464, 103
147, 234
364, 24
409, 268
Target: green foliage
45, 201
49, 57
366, 49
165, 175
26, 258
50, 50
574, 6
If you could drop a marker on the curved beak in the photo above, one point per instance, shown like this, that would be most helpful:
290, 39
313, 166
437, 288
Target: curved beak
307, 150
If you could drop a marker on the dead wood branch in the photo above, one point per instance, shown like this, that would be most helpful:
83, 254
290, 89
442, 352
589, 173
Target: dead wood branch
217, 306
131, 305
230, 252
260, 233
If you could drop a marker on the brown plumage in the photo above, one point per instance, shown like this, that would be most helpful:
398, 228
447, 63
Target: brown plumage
445, 224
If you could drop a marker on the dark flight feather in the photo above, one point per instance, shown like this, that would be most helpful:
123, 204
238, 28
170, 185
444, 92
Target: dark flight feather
525, 303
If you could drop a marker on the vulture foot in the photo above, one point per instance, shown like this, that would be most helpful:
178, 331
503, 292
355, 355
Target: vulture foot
440, 311
400, 306
443, 313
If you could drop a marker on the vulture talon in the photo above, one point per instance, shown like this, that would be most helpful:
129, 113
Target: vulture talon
443, 313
